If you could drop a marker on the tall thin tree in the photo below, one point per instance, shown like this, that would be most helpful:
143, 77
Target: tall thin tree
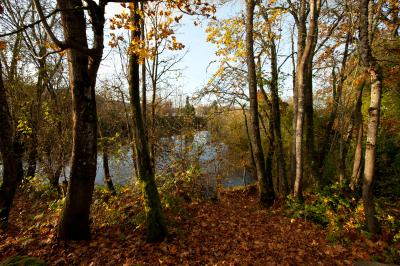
156, 228
375, 73
265, 188
304, 63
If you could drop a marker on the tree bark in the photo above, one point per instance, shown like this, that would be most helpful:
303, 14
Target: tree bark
12, 164
269, 133
309, 119
106, 167
299, 138
276, 119
156, 228
35, 116
107, 176
311, 40
300, 21
374, 70
74, 220
154, 81
13, 71
142, 36
32, 156
246, 123
355, 176
276, 182
305, 57
294, 120
54, 175
265, 189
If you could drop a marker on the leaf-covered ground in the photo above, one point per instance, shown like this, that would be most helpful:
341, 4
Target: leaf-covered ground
231, 231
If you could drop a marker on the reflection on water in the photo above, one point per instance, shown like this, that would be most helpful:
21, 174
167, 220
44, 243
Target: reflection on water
199, 148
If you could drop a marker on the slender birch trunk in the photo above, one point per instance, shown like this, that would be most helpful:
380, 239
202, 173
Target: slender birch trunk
375, 74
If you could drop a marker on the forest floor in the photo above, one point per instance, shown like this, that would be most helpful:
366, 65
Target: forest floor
231, 231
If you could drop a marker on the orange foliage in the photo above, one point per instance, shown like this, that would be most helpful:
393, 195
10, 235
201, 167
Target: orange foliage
167, 15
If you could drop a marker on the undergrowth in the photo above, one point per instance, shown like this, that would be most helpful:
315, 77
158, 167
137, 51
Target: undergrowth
340, 212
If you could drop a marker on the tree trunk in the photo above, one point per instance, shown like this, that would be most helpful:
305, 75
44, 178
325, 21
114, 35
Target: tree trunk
299, 135
300, 20
311, 40
370, 150
156, 228
309, 120
344, 151
54, 175
13, 70
12, 164
35, 116
265, 189
142, 36
276, 119
74, 220
374, 70
154, 80
106, 167
344, 144
358, 150
246, 123
341, 167
305, 57
153, 120
32, 156
55, 179
294, 120
269, 133
269, 158
107, 176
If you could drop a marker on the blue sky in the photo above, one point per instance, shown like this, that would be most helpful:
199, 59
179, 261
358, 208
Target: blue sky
200, 53
196, 69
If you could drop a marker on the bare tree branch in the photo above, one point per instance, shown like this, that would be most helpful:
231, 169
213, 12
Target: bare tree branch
29, 25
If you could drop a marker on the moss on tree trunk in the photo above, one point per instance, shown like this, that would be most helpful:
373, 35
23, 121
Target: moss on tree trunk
156, 228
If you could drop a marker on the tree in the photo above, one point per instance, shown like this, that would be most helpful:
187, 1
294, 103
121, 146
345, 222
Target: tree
228, 81
34, 40
12, 163
105, 140
10, 152
305, 51
270, 43
369, 62
161, 22
83, 66
138, 52
337, 92
358, 121
156, 228
158, 68
265, 188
